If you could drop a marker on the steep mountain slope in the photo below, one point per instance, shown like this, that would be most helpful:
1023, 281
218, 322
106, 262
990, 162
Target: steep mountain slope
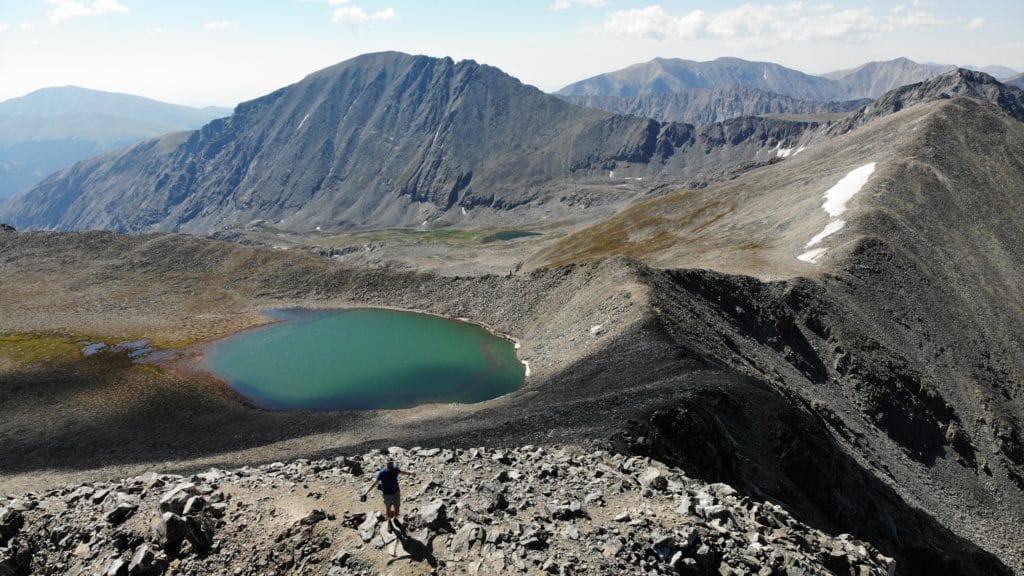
391, 139
1017, 81
51, 128
701, 106
904, 337
873, 79
663, 75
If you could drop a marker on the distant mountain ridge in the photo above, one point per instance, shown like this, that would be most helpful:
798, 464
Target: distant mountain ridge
714, 104
385, 139
673, 75
52, 128
873, 79
664, 75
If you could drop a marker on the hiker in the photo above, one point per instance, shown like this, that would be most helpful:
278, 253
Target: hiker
387, 479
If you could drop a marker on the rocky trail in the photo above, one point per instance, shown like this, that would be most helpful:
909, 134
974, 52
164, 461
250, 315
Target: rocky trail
527, 510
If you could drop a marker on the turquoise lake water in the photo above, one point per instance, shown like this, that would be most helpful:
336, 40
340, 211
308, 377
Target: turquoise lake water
365, 358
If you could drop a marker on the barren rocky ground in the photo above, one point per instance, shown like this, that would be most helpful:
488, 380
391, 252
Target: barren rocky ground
530, 510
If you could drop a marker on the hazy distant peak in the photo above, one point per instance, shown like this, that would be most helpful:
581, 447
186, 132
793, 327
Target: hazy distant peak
666, 75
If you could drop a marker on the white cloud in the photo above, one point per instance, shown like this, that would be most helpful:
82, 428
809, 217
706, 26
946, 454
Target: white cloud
900, 17
220, 24
336, 2
654, 22
68, 9
565, 4
766, 23
25, 26
976, 24
356, 15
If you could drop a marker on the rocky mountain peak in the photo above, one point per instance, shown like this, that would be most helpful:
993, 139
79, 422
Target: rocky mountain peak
956, 83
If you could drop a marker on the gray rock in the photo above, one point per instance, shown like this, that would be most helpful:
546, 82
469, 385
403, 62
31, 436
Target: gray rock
121, 512
142, 562
194, 505
170, 532
434, 514
11, 522
654, 479
116, 567
369, 527
466, 539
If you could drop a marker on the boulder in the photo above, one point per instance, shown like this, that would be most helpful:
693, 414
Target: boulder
11, 522
170, 532
468, 537
142, 562
654, 479
121, 512
434, 515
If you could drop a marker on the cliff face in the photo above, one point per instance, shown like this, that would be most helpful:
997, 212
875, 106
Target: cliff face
701, 106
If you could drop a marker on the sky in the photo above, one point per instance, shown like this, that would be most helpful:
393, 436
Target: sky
221, 52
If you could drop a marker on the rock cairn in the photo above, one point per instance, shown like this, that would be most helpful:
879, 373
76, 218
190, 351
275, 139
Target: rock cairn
528, 510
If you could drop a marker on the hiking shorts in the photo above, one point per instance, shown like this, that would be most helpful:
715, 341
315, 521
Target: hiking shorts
392, 499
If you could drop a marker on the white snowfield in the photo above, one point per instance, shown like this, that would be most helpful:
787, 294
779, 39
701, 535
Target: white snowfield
830, 228
836, 198
812, 256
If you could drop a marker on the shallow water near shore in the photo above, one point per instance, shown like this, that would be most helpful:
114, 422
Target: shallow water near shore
365, 359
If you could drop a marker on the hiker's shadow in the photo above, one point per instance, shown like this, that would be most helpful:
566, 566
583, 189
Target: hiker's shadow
416, 550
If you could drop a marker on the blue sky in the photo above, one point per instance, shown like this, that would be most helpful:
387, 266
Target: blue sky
226, 51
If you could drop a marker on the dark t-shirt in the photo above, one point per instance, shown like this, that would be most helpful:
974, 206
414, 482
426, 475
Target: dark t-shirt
388, 480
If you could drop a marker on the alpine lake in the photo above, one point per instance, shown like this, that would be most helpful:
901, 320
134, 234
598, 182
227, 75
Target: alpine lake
362, 359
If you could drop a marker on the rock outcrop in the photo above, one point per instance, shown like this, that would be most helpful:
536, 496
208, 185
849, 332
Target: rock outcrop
474, 511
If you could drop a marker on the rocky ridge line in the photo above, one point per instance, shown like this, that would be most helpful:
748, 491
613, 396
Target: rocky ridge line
478, 511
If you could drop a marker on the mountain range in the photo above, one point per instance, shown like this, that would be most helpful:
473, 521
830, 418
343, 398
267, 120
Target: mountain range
52, 128
820, 307
388, 139
673, 75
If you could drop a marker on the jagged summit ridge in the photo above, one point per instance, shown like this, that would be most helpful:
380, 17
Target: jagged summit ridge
957, 83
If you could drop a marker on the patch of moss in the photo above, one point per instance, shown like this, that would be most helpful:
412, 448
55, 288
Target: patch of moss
29, 349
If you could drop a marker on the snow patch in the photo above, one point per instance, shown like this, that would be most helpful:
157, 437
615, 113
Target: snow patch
783, 152
526, 364
830, 228
812, 256
611, 174
799, 150
464, 211
301, 122
837, 196
595, 330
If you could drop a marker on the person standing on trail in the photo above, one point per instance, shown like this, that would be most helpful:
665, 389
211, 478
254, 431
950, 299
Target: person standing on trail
387, 479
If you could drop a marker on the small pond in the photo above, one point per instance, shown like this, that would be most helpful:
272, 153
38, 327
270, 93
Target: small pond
362, 359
